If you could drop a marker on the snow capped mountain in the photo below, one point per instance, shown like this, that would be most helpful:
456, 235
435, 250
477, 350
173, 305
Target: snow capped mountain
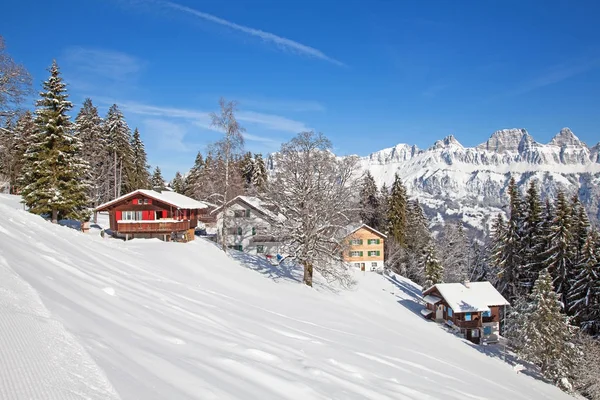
470, 182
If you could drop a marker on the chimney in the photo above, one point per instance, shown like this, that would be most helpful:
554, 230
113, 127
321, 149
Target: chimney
467, 283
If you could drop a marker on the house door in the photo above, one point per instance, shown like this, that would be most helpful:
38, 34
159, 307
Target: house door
362, 266
439, 313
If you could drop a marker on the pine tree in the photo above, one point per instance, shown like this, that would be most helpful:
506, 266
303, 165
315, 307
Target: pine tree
16, 138
532, 239
138, 176
369, 202
88, 126
247, 168
498, 235
559, 256
158, 182
118, 140
584, 296
434, 271
178, 184
545, 334
54, 173
397, 216
384, 203
259, 172
192, 180
511, 260
580, 225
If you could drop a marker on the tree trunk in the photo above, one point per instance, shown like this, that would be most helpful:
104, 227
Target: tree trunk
55, 216
308, 274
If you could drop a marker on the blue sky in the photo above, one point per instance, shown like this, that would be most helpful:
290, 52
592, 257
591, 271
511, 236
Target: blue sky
368, 74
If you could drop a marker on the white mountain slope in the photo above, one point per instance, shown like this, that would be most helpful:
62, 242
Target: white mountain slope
470, 182
184, 321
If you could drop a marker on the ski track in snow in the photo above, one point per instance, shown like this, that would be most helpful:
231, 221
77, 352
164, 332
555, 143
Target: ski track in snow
152, 320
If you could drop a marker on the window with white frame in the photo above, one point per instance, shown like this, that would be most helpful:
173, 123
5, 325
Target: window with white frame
132, 216
356, 242
374, 265
356, 254
373, 241
374, 253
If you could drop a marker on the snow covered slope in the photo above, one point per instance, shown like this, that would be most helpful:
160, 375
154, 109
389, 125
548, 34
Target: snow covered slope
184, 321
470, 183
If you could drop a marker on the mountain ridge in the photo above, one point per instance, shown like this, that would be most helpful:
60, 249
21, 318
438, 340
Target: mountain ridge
469, 183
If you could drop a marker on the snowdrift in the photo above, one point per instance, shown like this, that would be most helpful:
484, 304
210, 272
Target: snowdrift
86, 317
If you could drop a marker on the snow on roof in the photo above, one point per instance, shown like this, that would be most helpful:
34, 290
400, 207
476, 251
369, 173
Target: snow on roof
425, 312
254, 202
477, 296
172, 198
354, 227
431, 299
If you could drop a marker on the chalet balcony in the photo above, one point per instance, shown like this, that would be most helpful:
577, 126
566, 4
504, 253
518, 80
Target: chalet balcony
156, 226
468, 324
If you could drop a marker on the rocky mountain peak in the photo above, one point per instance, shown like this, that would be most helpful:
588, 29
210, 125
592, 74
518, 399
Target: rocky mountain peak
566, 137
504, 140
448, 141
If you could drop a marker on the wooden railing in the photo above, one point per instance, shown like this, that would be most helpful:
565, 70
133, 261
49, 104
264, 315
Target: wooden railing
468, 324
158, 226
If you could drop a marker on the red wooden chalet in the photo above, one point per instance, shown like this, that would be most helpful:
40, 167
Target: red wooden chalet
150, 214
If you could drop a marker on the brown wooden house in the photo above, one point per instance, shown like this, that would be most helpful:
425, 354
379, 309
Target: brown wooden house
473, 308
150, 214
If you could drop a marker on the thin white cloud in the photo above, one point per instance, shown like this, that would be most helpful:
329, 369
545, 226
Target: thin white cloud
559, 73
202, 119
108, 64
280, 42
281, 104
169, 135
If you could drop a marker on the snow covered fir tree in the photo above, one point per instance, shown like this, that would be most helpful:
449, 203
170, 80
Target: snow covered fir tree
542, 333
53, 170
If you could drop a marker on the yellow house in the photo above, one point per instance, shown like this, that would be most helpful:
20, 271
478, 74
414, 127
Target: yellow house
364, 248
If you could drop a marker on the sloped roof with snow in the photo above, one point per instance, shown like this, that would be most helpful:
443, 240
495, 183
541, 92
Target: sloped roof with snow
353, 228
476, 297
172, 198
255, 203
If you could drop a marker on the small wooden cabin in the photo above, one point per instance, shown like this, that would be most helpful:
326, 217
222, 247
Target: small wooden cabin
150, 214
474, 308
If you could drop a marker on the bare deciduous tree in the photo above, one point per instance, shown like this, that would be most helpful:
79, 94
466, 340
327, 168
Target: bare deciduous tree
226, 149
15, 83
313, 191
587, 371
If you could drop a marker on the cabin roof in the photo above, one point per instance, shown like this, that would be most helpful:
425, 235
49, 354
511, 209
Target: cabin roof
172, 198
353, 228
254, 202
473, 297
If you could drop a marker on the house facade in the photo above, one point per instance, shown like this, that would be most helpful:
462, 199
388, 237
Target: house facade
248, 226
150, 214
473, 308
363, 248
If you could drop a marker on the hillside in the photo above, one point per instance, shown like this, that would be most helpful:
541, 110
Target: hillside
469, 183
153, 320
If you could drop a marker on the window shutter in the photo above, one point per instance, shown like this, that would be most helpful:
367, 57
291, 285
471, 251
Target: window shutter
377, 241
361, 253
378, 252
149, 201
134, 201
118, 215
165, 214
